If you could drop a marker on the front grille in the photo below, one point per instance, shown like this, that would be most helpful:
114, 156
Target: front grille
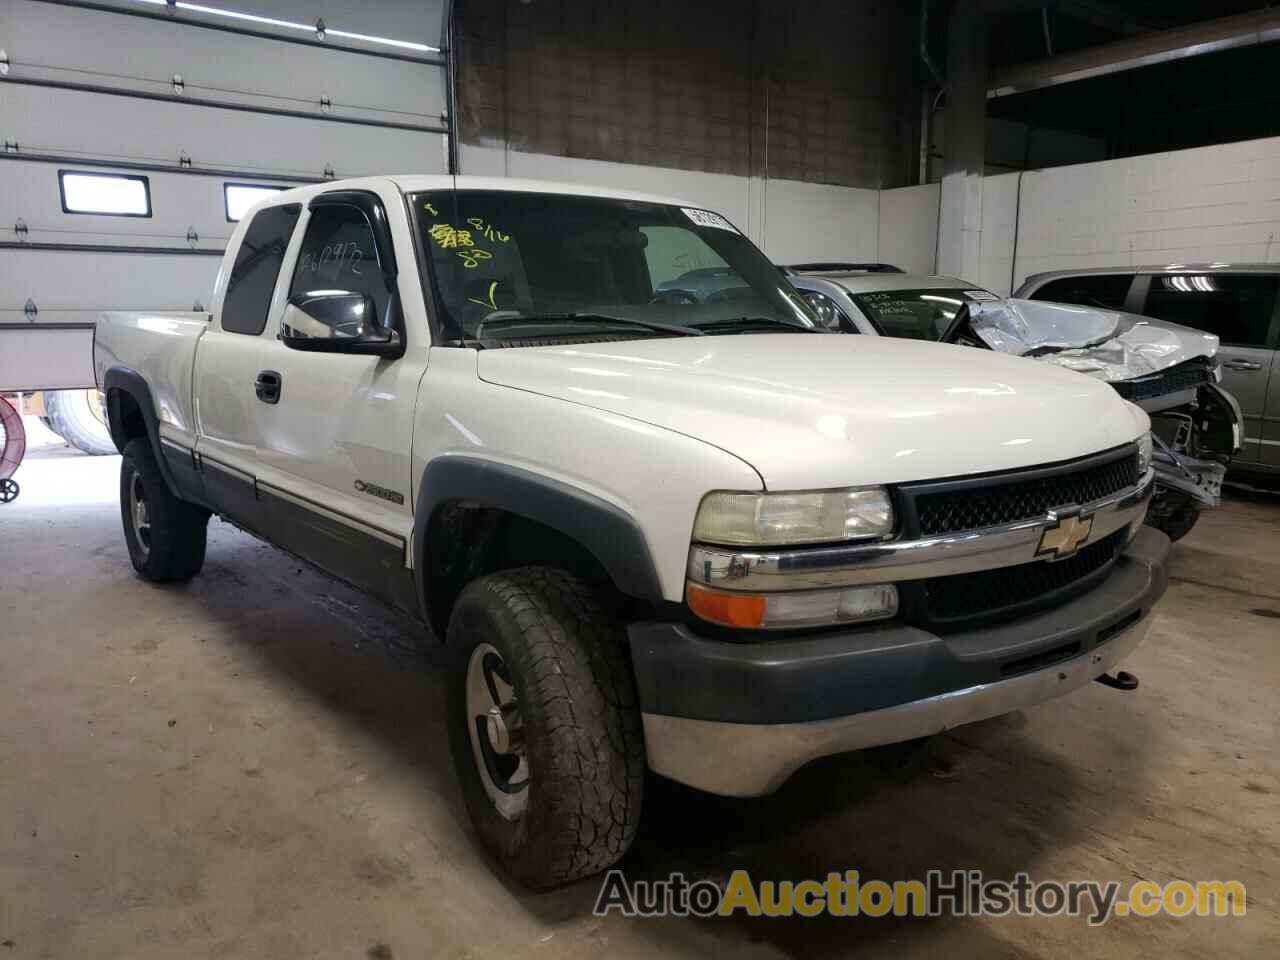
1187, 375
991, 502
989, 595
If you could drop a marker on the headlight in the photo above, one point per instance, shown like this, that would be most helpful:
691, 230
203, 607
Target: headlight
817, 516
1144, 454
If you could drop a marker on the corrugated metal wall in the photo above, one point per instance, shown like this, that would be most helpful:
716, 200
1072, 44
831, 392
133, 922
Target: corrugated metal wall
91, 86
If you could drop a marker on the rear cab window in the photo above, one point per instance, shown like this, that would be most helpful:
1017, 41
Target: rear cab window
257, 265
1239, 309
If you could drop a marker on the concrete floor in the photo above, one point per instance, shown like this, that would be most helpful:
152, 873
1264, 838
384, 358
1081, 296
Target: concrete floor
254, 766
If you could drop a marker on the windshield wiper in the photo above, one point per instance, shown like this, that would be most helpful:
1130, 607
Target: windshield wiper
592, 318
755, 323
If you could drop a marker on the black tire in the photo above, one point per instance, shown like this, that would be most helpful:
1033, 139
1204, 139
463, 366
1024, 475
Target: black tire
1173, 516
565, 661
169, 545
72, 416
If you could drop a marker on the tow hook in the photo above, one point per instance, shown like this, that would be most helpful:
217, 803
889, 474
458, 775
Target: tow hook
1123, 680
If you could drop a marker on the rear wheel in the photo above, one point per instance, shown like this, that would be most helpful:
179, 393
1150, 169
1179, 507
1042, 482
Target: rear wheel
165, 535
77, 416
544, 726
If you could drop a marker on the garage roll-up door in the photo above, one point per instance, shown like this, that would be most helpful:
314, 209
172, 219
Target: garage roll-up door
182, 100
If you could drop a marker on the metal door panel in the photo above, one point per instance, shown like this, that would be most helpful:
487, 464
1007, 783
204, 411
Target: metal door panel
51, 42
69, 121
1269, 452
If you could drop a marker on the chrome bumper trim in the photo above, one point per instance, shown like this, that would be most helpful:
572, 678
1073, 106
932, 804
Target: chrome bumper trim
750, 760
843, 566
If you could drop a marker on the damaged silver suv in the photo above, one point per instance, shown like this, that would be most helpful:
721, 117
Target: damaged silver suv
1237, 302
1170, 371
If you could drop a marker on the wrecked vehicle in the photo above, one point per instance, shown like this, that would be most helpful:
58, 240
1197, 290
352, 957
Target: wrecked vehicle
1170, 371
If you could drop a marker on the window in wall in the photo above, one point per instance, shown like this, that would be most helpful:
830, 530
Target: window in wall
339, 253
237, 198
109, 194
1238, 309
1107, 290
253, 277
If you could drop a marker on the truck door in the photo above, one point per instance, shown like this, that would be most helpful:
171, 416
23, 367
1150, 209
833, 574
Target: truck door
1270, 447
229, 359
1238, 308
334, 440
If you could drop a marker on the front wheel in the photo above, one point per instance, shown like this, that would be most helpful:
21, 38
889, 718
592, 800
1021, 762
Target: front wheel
544, 725
165, 535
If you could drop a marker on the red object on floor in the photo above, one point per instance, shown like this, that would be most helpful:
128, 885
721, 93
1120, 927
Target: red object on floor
15, 439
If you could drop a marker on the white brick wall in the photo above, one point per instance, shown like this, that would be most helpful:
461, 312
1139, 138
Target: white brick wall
1212, 203
1207, 204
909, 227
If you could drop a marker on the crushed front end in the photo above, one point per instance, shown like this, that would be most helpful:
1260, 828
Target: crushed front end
1168, 370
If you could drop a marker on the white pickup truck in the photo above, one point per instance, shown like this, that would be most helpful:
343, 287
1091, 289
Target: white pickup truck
704, 536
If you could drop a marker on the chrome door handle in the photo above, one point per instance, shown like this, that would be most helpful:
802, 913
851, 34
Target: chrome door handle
1241, 365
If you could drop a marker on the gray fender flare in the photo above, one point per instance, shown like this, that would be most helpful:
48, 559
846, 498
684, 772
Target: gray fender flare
611, 535
125, 380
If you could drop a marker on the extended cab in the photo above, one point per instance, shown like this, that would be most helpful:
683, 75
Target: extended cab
697, 534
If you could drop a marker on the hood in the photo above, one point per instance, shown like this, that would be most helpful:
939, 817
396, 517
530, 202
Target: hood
813, 410
1106, 344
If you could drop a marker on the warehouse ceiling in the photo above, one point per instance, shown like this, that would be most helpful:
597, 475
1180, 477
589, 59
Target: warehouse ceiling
1186, 101
1022, 32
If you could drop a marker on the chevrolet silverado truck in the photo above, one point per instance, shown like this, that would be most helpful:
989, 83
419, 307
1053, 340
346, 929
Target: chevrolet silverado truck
706, 537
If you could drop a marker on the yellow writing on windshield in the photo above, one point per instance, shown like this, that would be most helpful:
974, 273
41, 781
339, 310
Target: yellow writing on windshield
472, 258
488, 230
492, 301
450, 237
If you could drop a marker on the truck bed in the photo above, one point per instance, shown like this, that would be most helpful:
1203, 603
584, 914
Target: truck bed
166, 343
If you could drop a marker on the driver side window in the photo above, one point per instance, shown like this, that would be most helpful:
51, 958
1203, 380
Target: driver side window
339, 253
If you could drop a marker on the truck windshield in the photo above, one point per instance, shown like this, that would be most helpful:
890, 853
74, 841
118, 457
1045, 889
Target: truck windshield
916, 314
538, 264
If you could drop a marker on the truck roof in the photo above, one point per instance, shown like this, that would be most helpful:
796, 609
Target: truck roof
415, 182
1217, 266
862, 282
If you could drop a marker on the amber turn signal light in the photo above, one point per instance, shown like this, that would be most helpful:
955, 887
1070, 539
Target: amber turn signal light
727, 609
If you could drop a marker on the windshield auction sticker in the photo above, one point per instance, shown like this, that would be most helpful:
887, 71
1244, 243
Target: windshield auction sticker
960, 893
705, 218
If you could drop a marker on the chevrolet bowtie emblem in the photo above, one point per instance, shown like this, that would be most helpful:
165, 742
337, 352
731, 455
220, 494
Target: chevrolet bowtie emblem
1064, 537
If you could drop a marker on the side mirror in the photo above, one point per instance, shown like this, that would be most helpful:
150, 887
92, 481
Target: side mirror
337, 321
826, 309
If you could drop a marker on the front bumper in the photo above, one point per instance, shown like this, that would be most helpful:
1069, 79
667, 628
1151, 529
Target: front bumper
739, 718
1200, 480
